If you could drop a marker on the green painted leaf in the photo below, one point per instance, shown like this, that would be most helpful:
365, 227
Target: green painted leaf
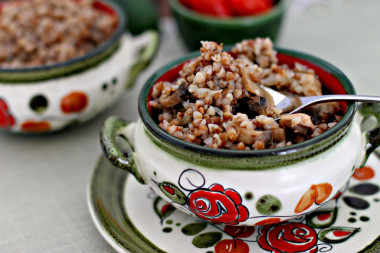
268, 205
365, 189
173, 192
206, 240
194, 228
167, 230
321, 218
336, 234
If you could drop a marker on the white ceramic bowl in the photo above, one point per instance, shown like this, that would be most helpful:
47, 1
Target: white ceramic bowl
52, 97
251, 187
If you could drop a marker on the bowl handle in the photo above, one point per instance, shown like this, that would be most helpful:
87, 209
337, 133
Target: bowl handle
372, 137
146, 44
112, 128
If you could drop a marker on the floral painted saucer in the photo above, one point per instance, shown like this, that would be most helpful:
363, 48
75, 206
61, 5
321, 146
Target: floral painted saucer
132, 218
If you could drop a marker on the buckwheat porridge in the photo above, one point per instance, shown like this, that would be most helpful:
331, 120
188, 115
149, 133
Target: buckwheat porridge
217, 100
42, 32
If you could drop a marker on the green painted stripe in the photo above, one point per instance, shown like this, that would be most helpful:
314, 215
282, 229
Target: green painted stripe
249, 163
374, 247
63, 71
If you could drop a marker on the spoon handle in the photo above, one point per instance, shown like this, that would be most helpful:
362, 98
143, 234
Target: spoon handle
307, 101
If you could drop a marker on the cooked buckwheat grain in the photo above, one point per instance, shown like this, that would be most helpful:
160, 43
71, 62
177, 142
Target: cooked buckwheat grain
217, 99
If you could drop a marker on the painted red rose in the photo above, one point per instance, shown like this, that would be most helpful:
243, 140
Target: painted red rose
6, 118
231, 246
218, 205
239, 231
288, 238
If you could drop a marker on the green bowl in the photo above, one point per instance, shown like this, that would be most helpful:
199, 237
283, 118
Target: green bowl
195, 27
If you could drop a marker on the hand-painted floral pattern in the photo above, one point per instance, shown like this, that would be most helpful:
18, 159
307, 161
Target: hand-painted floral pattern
315, 194
74, 102
218, 205
231, 246
32, 126
239, 231
364, 173
334, 227
268, 221
6, 118
336, 234
290, 237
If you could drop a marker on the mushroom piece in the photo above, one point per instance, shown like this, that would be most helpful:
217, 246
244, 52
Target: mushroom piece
299, 122
250, 84
170, 100
251, 106
278, 135
250, 136
322, 112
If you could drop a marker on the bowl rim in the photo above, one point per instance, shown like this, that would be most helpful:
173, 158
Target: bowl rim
118, 32
162, 135
263, 17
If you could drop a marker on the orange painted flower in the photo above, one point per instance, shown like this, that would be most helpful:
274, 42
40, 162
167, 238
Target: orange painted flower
364, 173
74, 102
32, 126
323, 192
316, 194
268, 221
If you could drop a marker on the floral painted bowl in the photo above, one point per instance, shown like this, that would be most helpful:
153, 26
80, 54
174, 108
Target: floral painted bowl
251, 187
49, 98
194, 26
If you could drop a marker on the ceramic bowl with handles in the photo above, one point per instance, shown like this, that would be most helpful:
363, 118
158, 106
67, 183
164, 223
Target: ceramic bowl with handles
251, 187
49, 98
194, 27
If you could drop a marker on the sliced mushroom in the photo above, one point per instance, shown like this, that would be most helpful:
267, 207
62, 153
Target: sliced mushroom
249, 84
256, 104
278, 135
173, 99
251, 106
299, 122
250, 136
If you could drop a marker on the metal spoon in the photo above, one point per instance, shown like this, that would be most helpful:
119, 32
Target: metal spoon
294, 104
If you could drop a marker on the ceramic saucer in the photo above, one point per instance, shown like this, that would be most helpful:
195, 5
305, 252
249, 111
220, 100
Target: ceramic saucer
132, 218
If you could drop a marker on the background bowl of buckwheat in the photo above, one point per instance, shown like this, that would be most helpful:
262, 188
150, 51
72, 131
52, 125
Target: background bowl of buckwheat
62, 62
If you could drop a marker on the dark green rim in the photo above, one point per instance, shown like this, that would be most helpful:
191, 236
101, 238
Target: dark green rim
182, 10
106, 200
75, 65
170, 141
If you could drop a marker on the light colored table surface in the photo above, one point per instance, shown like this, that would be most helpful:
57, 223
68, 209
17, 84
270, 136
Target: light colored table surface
43, 179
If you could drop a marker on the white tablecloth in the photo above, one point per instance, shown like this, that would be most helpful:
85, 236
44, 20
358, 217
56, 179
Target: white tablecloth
43, 179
